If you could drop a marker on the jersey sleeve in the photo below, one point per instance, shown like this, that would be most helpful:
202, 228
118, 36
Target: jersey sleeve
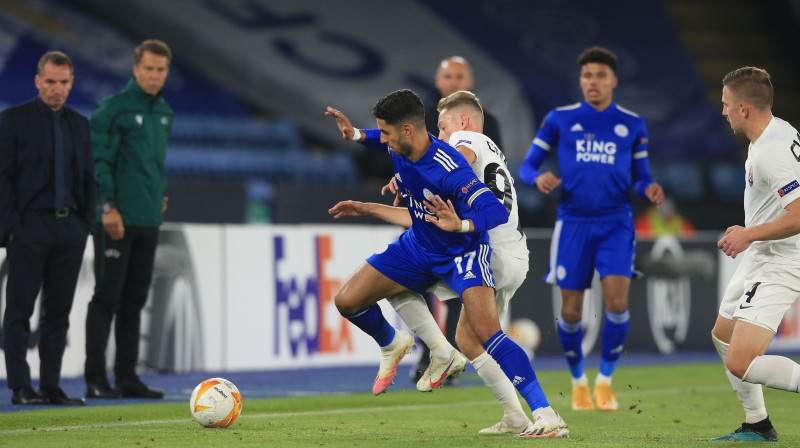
547, 137
641, 164
545, 140
462, 138
782, 174
372, 140
474, 195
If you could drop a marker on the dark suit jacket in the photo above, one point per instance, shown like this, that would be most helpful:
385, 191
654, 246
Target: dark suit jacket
26, 168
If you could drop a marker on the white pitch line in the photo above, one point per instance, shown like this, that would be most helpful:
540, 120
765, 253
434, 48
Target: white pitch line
626, 392
249, 416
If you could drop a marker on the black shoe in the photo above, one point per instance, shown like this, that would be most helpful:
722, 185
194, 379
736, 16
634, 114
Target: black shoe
100, 389
57, 396
26, 395
762, 431
136, 389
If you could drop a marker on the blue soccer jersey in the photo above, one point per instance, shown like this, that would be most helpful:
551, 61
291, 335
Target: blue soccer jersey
596, 152
442, 171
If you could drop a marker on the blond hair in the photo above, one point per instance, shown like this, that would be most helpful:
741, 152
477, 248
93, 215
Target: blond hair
751, 85
462, 99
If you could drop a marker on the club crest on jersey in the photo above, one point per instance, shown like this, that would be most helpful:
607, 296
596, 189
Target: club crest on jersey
621, 130
465, 188
750, 176
788, 188
428, 195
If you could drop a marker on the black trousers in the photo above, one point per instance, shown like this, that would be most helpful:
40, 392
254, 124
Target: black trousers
123, 272
45, 253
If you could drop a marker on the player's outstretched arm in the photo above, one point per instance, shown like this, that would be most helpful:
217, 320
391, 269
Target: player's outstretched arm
393, 215
343, 123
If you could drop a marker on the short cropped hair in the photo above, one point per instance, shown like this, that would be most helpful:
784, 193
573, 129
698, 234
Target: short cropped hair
399, 107
462, 98
598, 55
457, 59
154, 46
57, 58
751, 84
459, 99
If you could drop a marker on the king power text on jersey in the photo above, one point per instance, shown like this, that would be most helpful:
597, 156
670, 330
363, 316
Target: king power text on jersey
595, 151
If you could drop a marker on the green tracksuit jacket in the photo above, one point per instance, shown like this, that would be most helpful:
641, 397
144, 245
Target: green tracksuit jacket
129, 133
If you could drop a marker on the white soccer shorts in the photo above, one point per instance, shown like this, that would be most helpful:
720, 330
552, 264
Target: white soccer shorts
760, 292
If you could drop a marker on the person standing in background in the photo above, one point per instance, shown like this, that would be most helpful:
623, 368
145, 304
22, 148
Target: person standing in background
600, 147
129, 132
47, 206
453, 74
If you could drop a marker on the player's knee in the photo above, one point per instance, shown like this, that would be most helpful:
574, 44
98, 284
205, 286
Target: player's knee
345, 304
737, 365
617, 304
571, 315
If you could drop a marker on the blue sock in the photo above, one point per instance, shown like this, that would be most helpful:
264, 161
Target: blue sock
517, 367
371, 321
615, 330
571, 336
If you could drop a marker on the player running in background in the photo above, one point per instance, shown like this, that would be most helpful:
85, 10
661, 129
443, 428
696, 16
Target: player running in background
767, 281
461, 123
598, 144
435, 178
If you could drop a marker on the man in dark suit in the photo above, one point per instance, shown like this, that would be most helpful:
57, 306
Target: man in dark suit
47, 209
453, 74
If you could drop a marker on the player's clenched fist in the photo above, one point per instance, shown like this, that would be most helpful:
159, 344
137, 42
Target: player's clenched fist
547, 182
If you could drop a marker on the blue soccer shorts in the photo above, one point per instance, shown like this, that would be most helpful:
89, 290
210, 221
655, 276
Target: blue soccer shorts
407, 263
580, 246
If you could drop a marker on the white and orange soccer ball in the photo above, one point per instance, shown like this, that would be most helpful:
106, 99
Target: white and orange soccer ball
216, 403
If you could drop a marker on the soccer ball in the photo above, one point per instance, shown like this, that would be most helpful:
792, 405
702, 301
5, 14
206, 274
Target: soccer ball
216, 403
526, 334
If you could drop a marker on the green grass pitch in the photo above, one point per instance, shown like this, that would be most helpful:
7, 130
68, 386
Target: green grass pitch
679, 405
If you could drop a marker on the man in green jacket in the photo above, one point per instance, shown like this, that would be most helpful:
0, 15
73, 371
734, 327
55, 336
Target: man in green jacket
129, 132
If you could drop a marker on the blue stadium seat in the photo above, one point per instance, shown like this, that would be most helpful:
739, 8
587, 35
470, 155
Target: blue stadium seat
682, 180
211, 130
727, 181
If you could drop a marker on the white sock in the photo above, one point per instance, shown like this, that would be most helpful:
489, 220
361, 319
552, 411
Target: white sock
602, 379
750, 395
777, 372
497, 382
582, 381
415, 313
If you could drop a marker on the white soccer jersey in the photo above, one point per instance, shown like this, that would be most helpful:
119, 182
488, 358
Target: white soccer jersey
772, 174
490, 167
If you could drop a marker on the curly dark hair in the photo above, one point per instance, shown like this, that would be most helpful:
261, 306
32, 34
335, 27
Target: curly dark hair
400, 106
598, 55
